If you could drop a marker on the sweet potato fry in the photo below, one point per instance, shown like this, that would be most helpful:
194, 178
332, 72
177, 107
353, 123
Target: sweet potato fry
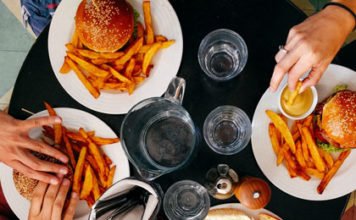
107, 159
140, 30
289, 159
160, 38
296, 136
76, 137
330, 174
76, 148
96, 190
91, 68
99, 61
69, 148
149, 55
305, 149
299, 155
314, 172
129, 68
148, 22
130, 52
116, 74
93, 149
104, 141
87, 184
71, 48
65, 67
308, 121
57, 127
115, 86
303, 174
282, 127
327, 158
319, 163
88, 53
75, 39
280, 156
93, 91
274, 139
111, 176
79, 170
167, 44
90, 200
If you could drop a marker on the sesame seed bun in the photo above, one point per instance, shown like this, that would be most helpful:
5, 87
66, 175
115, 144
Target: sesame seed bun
227, 214
104, 25
339, 118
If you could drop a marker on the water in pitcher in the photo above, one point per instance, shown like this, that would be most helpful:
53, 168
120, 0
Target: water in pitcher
169, 141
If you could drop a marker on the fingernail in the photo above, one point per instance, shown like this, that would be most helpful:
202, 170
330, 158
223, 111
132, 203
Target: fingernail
54, 181
64, 159
63, 171
58, 119
74, 195
66, 182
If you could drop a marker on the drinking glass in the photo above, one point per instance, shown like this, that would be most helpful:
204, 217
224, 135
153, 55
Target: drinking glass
158, 134
186, 200
222, 54
227, 130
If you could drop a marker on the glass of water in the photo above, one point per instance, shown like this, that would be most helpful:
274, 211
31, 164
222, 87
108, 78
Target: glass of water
222, 54
186, 200
227, 130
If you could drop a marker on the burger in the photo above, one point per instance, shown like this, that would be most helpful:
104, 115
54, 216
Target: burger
25, 185
104, 25
336, 121
227, 213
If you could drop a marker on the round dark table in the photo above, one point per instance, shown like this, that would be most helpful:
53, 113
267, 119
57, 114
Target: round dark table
264, 25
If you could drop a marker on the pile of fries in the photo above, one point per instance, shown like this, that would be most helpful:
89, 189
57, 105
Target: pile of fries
119, 71
93, 169
297, 150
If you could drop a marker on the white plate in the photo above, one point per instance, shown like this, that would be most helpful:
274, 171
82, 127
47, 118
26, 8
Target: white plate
72, 118
344, 181
250, 212
166, 62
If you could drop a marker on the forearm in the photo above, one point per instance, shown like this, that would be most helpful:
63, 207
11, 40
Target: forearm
344, 17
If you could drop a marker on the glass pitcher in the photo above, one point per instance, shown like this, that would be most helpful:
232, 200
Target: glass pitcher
158, 134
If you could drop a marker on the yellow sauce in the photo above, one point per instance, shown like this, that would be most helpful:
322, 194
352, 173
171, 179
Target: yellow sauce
301, 105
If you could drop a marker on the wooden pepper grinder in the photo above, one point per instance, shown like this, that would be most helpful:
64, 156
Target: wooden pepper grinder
253, 192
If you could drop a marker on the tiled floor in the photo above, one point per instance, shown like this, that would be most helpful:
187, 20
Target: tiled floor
15, 43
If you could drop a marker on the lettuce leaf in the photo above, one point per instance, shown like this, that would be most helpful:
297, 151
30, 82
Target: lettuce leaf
328, 147
340, 88
136, 16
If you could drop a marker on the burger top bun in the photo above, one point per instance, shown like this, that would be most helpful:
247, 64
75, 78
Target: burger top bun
339, 118
104, 25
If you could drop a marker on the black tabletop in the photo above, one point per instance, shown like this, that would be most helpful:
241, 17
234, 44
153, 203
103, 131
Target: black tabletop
264, 25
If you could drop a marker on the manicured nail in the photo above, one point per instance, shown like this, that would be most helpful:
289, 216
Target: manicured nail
54, 181
63, 171
64, 159
58, 120
74, 195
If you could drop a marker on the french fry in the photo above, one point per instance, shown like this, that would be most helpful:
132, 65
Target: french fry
91, 68
114, 55
308, 121
167, 44
111, 176
274, 139
305, 149
148, 22
96, 190
115, 86
149, 55
75, 39
76, 148
90, 200
104, 141
94, 150
303, 174
296, 136
319, 163
93, 91
314, 172
57, 127
160, 38
138, 79
99, 61
327, 158
292, 172
71, 48
140, 30
330, 174
130, 52
116, 74
88, 53
69, 148
280, 156
290, 160
65, 67
87, 184
299, 155
107, 159
79, 170
129, 68
294, 94
282, 127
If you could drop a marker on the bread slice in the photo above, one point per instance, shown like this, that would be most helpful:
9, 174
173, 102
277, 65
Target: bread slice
227, 214
265, 216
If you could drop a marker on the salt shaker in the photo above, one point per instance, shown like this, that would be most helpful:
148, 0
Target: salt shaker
221, 182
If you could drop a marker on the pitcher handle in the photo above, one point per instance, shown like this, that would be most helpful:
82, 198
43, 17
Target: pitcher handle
175, 90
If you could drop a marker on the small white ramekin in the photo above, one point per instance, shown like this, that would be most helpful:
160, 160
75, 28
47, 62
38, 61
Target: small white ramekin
307, 113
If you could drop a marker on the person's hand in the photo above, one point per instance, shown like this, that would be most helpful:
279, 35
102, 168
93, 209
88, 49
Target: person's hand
48, 202
16, 147
312, 45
